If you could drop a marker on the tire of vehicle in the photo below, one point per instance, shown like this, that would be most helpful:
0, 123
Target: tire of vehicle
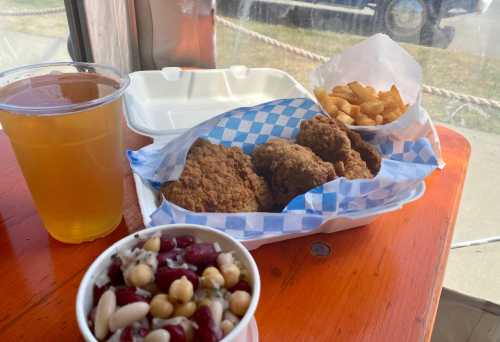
326, 20
272, 13
228, 7
404, 20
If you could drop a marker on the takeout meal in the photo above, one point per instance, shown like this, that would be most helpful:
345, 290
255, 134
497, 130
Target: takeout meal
360, 105
170, 288
221, 179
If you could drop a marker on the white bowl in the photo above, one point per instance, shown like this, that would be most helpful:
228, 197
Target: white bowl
204, 233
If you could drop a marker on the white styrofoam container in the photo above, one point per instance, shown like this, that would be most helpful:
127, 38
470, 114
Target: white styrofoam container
163, 104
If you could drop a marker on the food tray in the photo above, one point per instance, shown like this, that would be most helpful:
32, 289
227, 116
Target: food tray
163, 104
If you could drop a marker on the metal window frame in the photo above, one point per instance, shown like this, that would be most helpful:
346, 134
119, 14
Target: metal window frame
79, 43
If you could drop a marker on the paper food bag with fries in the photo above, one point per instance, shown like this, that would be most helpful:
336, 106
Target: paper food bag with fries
375, 87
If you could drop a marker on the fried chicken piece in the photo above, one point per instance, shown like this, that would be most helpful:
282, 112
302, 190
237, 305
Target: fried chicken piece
219, 179
352, 167
325, 138
368, 153
334, 142
290, 169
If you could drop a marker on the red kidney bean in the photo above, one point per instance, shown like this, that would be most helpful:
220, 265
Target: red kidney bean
201, 254
242, 286
172, 254
115, 273
166, 276
143, 332
167, 243
184, 240
127, 295
98, 291
127, 335
207, 330
177, 333
91, 318
139, 244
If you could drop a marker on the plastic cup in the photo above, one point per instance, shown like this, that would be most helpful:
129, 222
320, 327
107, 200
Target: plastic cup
64, 123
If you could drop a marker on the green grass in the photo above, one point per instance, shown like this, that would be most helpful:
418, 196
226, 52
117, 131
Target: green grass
469, 74
29, 4
473, 75
53, 25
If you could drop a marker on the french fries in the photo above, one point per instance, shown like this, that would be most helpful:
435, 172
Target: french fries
357, 104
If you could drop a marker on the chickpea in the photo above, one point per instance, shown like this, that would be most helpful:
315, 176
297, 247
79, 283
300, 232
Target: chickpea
229, 316
225, 259
152, 244
226, 326
181, 290
160, 307
245, 275
158, 335
185, 309
140, 275
204, 302
239, 302
231, 274
212, 278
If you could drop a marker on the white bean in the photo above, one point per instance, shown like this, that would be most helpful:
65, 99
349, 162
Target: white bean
128, 314
158, 335
105, 308
216, 309
225, 259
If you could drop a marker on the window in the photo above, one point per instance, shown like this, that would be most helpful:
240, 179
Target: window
32, 32
457, 48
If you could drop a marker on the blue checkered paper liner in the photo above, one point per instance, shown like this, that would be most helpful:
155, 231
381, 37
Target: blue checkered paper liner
405, 165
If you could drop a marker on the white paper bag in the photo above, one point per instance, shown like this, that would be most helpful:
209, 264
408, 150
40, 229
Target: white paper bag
380, 62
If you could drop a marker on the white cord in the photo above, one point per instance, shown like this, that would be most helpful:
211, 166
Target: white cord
315, 57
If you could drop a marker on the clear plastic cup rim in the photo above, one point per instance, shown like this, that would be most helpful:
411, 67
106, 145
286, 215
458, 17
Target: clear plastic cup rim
122, 78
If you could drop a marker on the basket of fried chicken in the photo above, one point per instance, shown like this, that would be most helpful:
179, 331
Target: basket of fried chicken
282, 167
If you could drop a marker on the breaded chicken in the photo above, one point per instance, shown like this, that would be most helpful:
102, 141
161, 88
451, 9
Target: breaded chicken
352, 167
368, 153
335, 143
325, 138
219, 179
290, 169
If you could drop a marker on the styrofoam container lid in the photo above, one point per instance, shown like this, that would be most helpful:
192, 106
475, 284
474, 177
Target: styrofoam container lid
167, 102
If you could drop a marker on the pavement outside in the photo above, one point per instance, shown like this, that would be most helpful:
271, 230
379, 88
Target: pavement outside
475, 270
18, 49
481, 29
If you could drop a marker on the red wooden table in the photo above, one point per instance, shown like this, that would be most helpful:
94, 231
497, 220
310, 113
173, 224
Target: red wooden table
382, 282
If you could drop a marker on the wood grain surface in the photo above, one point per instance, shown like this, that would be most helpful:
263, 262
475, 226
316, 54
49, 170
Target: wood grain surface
381, 282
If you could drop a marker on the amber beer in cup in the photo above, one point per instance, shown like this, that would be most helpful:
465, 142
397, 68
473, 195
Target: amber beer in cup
64, 123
